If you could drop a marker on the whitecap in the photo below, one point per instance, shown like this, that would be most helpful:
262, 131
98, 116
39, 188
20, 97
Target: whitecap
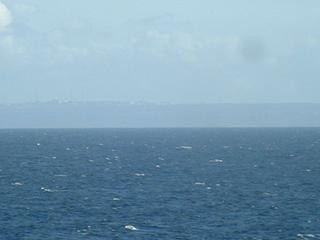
17, 184
46, 189
38, 144
116, 199
184, 147
200, 183
140, 174
268, 194
216, 161
308, 236
131, 228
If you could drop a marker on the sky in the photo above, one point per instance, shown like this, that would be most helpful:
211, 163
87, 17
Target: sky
179, 51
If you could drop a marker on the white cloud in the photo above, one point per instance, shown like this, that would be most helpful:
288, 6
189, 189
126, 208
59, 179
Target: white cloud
5, 17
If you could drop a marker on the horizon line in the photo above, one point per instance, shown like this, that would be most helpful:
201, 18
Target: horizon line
140, 102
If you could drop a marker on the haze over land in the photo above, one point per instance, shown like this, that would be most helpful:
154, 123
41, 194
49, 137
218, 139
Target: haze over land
148, 115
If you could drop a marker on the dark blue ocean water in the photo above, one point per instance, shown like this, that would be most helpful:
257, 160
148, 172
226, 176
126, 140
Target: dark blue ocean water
160, 184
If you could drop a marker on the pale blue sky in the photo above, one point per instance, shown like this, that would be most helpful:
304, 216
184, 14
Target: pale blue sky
160, 51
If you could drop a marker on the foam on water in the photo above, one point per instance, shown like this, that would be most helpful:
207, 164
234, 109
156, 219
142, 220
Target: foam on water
200, 183
47, 189
131, 228
17, 184
184, 147
308, 236
139, 174
216, 161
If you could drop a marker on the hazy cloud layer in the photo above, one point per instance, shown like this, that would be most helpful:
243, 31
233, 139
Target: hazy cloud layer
176, 51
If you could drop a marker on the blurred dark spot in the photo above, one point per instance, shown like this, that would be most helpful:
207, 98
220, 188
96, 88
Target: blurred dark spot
253, 50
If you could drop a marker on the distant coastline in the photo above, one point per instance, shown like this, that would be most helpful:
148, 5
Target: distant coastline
104, 114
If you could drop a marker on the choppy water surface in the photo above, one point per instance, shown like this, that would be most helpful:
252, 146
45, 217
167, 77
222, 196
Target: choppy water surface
160, 184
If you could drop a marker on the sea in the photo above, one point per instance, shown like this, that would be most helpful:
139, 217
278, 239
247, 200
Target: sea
207, 183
